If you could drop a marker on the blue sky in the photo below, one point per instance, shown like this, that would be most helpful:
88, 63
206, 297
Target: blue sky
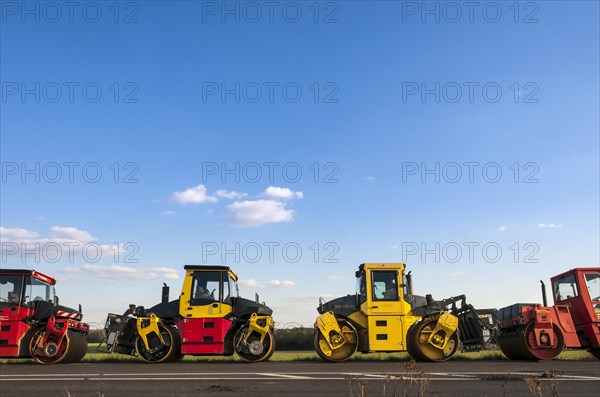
379, 105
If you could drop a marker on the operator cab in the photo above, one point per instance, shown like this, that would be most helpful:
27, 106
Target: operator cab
213, 284
383, 286
580, 290
208, 291
25, 288
566, 287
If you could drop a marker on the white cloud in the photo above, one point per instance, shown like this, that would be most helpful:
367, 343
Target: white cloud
193, 195
116, 273
334, 277
70, 233
9, 234
549, 226
258, 212
230, 194
369, 179
503, 228
252, 283
62, 243
282, 283
168, 213
247, 213
167, 272
58, 234
282, 193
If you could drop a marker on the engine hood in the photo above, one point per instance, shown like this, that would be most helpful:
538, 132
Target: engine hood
67, 312
344, 305
43, 310
245, 307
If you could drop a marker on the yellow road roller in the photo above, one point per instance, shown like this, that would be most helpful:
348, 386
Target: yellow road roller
385, 316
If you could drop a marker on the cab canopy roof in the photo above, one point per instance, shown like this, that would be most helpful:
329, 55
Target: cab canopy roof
213, 268
389, 266
29, 272
578, 270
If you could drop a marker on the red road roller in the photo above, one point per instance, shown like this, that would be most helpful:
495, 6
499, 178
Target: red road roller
528, 331
33, 324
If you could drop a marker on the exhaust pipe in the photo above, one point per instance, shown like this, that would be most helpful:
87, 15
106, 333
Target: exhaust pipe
165, 293
544, 300
409, 282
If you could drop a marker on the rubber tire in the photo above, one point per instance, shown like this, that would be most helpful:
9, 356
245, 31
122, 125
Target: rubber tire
269, 345
414, 345
173, 349
319, 336
72, 348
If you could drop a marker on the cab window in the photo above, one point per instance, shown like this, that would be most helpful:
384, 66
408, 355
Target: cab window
407, 296
226, 289
385, 285
206, 287
230, 289
565, 288
593, 284
361, 291
10, 290
37, 290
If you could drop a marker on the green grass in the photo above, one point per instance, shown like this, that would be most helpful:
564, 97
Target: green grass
94, 356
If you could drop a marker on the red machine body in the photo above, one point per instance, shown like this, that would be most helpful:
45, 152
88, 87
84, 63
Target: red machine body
203, 335
583, 304
541, 332
33, 324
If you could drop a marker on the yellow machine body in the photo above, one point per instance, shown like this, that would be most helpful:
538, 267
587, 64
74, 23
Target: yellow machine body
387, 319
215, 310
327, 324
383, 317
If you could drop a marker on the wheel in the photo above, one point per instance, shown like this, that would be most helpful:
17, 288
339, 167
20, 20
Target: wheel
421, 350
159, 352
71, 349
178, 357
509, 345
77, 347
595, 352
252, 350
345, 351
520, 344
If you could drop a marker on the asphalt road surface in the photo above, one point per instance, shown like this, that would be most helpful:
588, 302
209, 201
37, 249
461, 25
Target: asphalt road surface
456, 378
